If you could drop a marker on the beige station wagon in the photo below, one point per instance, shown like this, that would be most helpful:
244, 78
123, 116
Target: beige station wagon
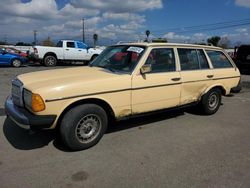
123, 81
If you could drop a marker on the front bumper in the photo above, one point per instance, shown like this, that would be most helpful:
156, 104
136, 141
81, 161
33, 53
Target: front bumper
25, 119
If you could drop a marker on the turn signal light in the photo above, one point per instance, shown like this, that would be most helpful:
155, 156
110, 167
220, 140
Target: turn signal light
37, 103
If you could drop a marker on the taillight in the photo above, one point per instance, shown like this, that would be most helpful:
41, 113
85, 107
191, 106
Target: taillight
35, 50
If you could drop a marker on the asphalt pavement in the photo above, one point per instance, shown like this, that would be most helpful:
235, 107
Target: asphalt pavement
181, 148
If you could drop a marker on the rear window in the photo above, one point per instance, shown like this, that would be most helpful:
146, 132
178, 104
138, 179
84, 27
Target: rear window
218, 59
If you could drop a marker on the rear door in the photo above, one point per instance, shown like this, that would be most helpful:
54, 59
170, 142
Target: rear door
159, 88
225, 73
195, 73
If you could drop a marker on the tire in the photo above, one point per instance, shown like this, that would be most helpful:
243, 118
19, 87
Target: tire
50, 61
16, 63
83, 126
211, 101
93, 57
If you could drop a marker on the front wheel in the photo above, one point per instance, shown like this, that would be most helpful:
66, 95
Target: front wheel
211, 101
83, 126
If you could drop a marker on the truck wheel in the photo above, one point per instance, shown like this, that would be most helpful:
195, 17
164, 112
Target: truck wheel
211, 101
50, 61
16, 63
83, 126
93, 57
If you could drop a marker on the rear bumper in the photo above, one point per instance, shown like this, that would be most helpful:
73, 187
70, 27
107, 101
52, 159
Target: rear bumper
34, 57
25, 119
236, 89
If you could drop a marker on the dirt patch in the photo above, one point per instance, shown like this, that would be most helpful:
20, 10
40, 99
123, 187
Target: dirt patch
80, 176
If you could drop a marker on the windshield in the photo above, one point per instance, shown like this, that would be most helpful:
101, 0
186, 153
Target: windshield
123, 58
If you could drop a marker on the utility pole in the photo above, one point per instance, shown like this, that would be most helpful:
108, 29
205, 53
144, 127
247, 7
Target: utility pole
35, 33
5, 39
83, 38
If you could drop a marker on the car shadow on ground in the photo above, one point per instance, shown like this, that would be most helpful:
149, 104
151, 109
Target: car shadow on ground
245, 71
23, 139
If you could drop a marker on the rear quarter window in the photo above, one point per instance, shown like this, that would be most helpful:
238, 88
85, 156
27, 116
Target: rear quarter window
218, 59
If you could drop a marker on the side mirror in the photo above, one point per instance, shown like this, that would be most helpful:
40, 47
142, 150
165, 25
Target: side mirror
146, 69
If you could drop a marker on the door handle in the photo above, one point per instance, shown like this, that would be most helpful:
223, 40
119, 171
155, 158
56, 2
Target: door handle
175, 79
79, 50
67, 49
210, 76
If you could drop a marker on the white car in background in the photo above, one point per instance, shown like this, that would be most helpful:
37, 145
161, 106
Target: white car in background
65, 51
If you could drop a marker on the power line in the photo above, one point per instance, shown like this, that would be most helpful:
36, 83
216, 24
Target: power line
204, 27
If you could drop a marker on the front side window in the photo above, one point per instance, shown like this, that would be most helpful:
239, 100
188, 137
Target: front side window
122, 58
218, 59
70, 45
81, 45
192, 59
161, 60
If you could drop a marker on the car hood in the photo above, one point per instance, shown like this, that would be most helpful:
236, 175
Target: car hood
69, 82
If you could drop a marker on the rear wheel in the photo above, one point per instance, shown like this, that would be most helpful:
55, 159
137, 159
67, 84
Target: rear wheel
16, 63
50, 61
83, 126
211, 101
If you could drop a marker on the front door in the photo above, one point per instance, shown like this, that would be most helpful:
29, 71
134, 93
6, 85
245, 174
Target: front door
159, 88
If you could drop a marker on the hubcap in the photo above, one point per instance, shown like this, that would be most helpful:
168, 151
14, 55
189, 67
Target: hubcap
88, 128
16, 63
51, 61
213, 101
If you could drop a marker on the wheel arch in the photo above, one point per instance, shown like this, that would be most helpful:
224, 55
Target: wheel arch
219, 86
100, 102
50, 53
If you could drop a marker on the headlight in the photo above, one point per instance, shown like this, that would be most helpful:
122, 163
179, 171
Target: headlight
33, 101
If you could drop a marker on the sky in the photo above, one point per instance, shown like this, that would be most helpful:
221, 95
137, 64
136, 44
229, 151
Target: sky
186, 21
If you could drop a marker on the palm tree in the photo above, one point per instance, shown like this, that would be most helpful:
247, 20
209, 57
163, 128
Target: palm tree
147, 34
95, 38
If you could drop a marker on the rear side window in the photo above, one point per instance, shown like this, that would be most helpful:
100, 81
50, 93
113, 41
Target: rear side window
59, 44
70, 44
161, 60
218, 59
192, 59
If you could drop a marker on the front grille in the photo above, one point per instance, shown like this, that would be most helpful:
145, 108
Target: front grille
17, 92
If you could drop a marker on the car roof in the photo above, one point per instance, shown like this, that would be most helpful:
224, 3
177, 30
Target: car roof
156, 44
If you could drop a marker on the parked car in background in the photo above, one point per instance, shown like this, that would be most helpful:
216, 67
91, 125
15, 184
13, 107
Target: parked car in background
230, 52
15, 51
242, 57
124, 81
65, 51
12, 59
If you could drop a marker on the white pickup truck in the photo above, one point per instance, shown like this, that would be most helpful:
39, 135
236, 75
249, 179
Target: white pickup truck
65, 51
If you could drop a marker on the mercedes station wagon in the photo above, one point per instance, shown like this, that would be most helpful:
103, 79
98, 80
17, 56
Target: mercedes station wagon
123, 81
